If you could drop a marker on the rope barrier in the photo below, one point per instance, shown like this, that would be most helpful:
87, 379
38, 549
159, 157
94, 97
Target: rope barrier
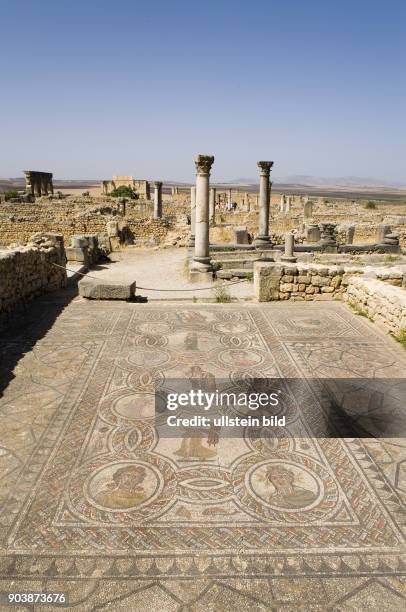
107, 280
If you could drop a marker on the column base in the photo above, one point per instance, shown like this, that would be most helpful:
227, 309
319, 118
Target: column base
199, 276
288, 259
201, 264
263, 242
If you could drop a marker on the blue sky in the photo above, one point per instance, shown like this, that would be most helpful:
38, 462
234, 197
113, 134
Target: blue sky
95, 88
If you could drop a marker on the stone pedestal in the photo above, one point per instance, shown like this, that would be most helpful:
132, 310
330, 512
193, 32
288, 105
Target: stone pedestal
212, 206
191, 241
157, 200
201, 259
263, 238
312, 233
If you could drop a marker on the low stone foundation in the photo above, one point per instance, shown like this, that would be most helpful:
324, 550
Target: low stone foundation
273, 281
379, 301
371, 297
27, 271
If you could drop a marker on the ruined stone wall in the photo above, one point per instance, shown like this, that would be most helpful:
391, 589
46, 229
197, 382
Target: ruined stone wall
27, 271
76, 216
379, 302
376, 298
300, 282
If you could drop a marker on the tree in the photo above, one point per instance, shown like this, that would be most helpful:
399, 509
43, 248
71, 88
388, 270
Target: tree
124, 191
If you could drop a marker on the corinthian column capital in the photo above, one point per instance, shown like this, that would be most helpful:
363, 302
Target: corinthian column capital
204, 163
265, 167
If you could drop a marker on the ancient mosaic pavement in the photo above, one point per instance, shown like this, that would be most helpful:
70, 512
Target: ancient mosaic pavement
90, 495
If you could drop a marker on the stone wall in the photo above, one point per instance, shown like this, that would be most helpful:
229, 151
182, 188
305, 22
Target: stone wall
379, 302
372, 297
300, 282
27, 271
75, 216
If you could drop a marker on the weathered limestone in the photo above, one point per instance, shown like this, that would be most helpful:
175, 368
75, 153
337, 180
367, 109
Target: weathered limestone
282, 203
212, 206
94, 289
241, 235
383, 230
263, 238
350, 233
112, 229
201, 261
27, 271
38, 183
382, 303
289, 248
191, 242
328, 233
157, 200
288, 204
308, 210
121, 205
312, 233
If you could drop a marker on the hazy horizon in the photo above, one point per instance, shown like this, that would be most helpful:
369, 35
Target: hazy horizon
95, 89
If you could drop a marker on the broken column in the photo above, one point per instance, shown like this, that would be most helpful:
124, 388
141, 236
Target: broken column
308, 210
212, 206
263, 238
201, 261
157, 200
289, 248
192, 216
282, 203
349, 234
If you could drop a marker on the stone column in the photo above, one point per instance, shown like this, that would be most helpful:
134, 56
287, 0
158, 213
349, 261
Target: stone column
229, 196
201, 260
289, 248
29, 187
192, 216
157, 200
44, 185
212, 206
37, 187
264, 201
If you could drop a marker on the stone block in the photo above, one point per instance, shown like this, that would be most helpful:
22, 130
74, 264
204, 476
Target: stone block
77, 254
267, 277
101, 290
241, 235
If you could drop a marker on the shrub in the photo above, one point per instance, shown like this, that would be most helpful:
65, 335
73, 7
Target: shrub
370, 205
11, 193
221, 293
124, 191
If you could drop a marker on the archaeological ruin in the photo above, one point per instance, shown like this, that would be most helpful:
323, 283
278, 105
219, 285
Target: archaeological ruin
107, 302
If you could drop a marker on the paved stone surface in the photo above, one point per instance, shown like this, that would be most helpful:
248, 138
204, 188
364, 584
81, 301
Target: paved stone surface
162, 269
199, 531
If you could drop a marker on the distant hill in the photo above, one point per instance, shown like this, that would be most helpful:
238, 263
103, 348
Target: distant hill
317, 181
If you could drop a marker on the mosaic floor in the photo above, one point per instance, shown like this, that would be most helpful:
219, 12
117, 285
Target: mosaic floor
94, 503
